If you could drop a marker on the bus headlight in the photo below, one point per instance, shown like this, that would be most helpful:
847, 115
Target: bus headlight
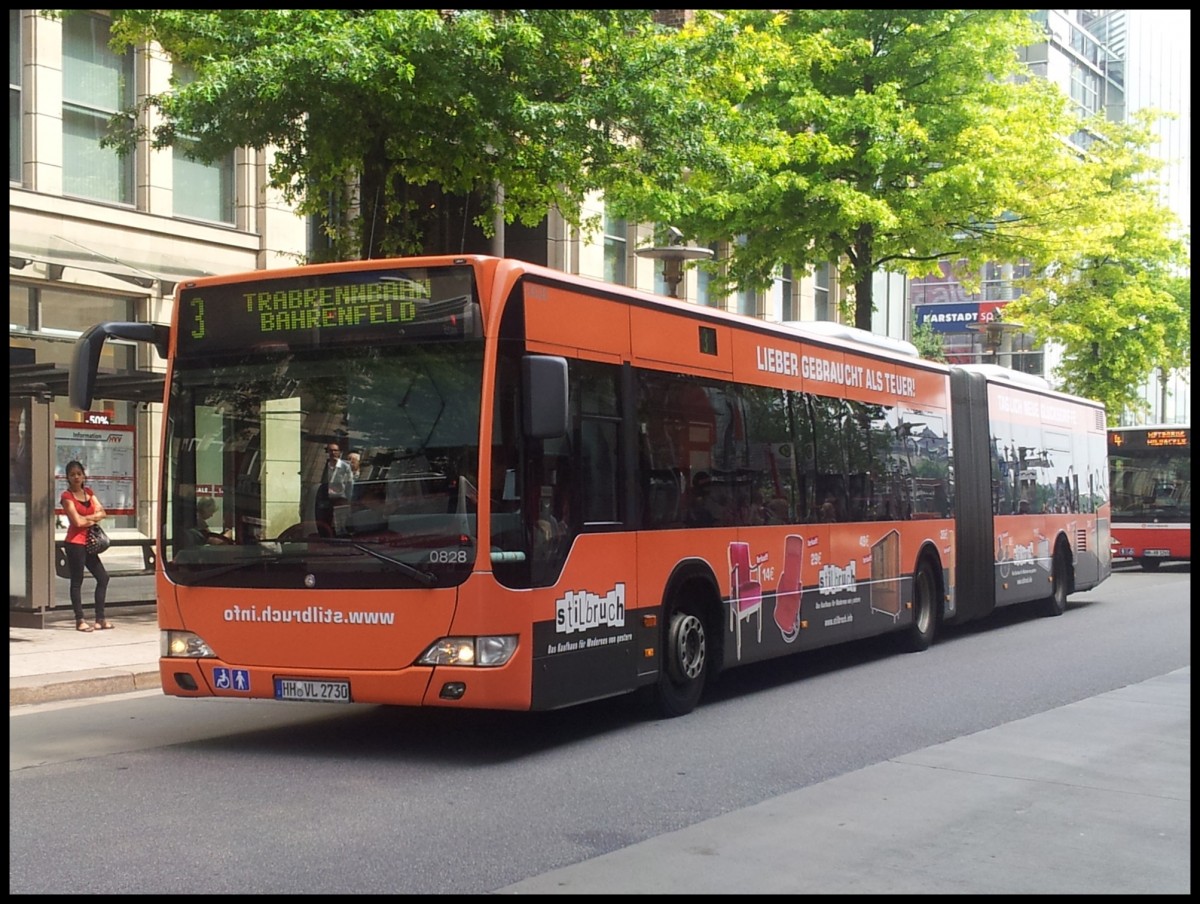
487, 651
183, 645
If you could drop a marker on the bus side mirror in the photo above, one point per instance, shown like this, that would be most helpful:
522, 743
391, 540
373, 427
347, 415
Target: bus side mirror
544, 385
85, 357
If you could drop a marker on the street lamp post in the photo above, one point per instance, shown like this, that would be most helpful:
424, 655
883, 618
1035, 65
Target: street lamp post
994, 333
673, 254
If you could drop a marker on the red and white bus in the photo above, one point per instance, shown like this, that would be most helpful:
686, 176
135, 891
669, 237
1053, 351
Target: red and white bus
571, 490
1151, 471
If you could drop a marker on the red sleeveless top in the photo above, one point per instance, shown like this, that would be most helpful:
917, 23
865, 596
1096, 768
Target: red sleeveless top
79, 534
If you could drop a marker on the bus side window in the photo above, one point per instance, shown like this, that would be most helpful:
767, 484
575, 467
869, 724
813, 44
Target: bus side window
547, 511
506, 504
599, 459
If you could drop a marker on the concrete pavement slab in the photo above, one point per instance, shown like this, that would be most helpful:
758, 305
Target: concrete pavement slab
59, 663
1093, 797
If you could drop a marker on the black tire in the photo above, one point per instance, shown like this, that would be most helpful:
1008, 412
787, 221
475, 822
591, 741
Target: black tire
685, 662
1149, 564
919, 635
1060, 584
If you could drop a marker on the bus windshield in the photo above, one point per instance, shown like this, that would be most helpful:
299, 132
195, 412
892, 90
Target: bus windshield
1152, 478
249, 499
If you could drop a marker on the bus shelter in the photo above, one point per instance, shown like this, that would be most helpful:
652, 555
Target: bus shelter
33, 558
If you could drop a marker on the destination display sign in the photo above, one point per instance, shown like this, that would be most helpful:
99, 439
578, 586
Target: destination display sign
1159, 437
1168, 438
328, 309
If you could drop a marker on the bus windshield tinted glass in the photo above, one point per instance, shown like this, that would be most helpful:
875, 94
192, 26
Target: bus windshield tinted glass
1151, 484
354, 470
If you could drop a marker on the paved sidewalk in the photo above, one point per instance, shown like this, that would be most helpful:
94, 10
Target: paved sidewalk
59, 663
56, 662
1093, 797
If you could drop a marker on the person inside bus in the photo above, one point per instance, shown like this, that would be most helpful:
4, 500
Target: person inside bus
708, 506
551, 530
202, 533
354, 457
776, 511
333, 494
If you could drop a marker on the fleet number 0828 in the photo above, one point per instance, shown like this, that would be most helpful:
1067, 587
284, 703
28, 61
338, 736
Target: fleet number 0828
448, 556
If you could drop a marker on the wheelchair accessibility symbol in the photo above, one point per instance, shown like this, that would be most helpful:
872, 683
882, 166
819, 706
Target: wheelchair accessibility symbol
231, 680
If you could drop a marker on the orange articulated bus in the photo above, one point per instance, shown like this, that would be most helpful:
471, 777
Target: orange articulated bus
569, 490
1151, 493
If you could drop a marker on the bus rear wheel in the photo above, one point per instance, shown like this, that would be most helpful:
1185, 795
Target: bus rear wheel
919, 635
1060, 583
685, 663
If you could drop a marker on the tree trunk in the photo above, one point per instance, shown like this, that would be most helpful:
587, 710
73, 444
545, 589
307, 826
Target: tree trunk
864, 277
372, 199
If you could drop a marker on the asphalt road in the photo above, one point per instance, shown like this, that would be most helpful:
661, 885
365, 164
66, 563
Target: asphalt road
142, 793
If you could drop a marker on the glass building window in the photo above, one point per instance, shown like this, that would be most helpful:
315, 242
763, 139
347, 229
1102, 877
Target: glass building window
21, 311
747, 302
202, 191
1085, 89
939, 288
45, 323
616, 243
660, 278
705, 293
821, 310
14, 95
97, 84
782, 300
74, 312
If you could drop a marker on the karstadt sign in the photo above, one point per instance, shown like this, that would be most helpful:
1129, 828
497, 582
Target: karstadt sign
958, 317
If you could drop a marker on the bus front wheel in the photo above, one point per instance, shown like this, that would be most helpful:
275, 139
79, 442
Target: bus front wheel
685, 663
1148, 564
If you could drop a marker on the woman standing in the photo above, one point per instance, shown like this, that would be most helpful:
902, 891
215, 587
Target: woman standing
83, 510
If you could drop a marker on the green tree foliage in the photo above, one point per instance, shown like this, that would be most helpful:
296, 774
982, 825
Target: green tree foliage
1112, 291
928, 342
404, 121
880, 139
891, 139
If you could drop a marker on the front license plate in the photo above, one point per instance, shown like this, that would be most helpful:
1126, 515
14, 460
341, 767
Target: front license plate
312, 689
1157, 553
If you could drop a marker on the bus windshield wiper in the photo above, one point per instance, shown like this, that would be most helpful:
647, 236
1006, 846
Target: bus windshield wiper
191, 578
422, 577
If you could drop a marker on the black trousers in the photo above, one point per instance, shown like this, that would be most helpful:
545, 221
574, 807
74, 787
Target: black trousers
331, 511
77, 560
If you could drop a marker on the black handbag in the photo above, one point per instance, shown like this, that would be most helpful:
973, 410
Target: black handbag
97, 540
